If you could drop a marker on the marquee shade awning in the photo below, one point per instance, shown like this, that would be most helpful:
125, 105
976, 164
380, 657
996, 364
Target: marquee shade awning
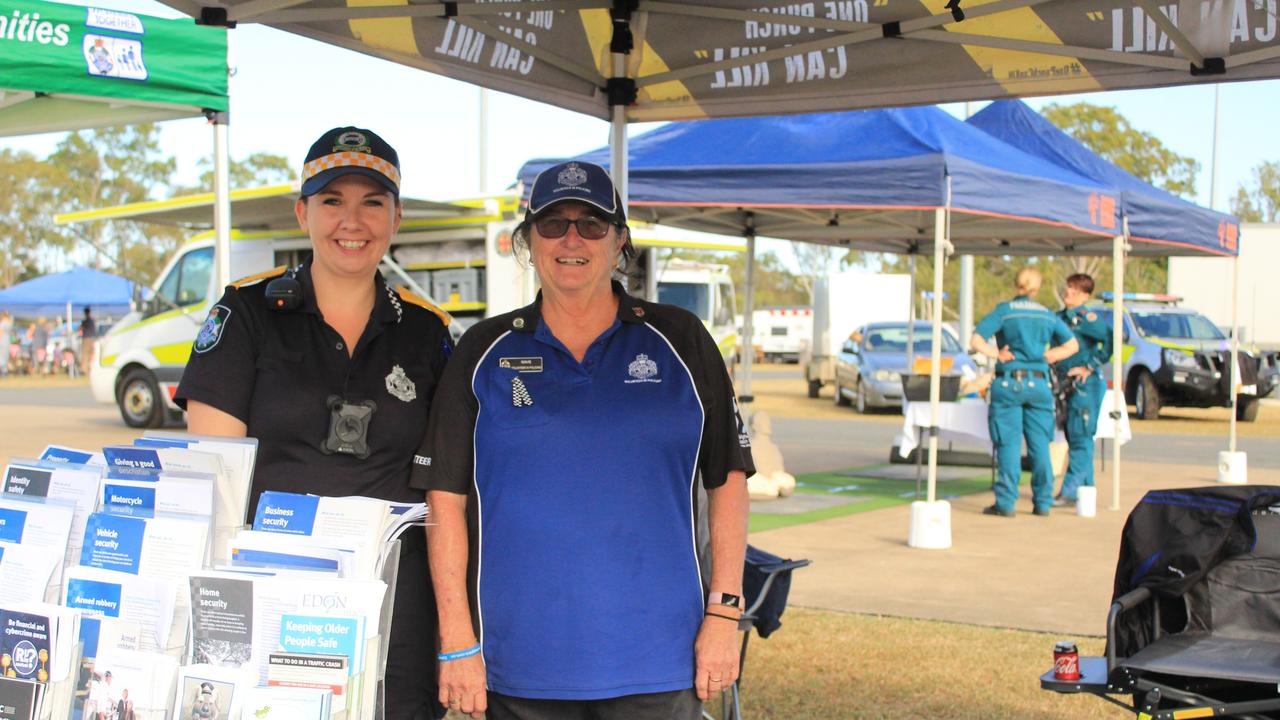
65, 67
718, 58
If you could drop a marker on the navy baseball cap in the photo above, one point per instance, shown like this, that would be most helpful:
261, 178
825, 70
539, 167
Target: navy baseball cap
346, 150
579, 181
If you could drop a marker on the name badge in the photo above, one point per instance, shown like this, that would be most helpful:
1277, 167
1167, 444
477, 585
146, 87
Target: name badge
521, 364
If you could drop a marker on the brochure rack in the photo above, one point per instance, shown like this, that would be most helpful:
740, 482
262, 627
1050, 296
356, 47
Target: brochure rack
376, 684
60, 696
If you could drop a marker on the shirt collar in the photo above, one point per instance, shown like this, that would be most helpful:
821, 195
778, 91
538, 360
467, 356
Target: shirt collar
386, 309
630, 310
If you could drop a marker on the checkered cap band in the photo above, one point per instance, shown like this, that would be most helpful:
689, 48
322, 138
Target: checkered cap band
351, 159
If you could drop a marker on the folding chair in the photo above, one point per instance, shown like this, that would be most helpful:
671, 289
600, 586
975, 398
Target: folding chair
766, 581
1211, 648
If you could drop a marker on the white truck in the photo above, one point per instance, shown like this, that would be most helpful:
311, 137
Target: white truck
842, 302
706, 290
781, 333
459, 254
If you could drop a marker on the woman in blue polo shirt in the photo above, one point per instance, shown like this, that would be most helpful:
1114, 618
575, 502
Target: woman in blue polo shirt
562, 459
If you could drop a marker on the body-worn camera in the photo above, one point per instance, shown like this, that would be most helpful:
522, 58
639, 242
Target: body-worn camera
348, 427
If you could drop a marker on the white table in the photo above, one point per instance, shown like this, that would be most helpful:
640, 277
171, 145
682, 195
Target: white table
967, 420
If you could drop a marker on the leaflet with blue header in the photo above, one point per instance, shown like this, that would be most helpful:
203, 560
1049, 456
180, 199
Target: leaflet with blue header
149, 603
74, 456
357, 522
160, 546
66, 482
166, 491
40, 523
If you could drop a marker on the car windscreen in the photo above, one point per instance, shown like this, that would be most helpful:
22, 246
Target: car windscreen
893, 338
694, 298
1190, 326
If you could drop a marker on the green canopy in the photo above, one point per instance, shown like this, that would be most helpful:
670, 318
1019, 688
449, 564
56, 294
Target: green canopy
64, 67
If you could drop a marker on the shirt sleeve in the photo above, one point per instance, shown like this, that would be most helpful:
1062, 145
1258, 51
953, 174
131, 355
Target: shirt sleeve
444, 460
989, 325
725, 438
1061, 331
224, 357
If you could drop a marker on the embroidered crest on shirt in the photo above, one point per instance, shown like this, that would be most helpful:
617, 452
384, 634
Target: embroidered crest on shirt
642, 369
211, 332
400, 386
520, 394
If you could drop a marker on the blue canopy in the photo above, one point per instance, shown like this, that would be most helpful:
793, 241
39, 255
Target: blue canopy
1154, 216
107, 294
869, 179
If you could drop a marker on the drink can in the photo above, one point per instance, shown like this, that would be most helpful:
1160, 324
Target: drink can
1066, 660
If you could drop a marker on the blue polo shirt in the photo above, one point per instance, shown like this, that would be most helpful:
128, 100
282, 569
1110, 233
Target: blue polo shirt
582, 478
1027, 328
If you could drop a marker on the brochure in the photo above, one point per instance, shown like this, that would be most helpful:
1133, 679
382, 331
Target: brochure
328, 672
276, 597
357, 520
222, 620
324, 634
38, 523
238, 458
286, 703
75, 456
105, 633
142, 681
20, 699
162, 546
26, 574
68, 482
148, 602
168, 491
252, 549
38, 640
207, 691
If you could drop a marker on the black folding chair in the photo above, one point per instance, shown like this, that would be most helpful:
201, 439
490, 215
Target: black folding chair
766, 582
1214, 651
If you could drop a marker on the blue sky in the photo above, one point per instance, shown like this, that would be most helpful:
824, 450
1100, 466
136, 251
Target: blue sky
287, 90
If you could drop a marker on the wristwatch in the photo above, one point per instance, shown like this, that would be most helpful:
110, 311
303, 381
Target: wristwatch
719, 598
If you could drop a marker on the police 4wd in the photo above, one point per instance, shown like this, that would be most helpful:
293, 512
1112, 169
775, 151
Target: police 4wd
1176, 357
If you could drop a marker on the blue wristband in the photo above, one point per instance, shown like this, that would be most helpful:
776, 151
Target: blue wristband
446, 657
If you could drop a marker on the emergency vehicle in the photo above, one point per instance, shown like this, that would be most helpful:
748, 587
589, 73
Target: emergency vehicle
459, 254
780, 333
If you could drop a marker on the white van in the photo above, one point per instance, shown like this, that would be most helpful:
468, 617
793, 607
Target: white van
706, 290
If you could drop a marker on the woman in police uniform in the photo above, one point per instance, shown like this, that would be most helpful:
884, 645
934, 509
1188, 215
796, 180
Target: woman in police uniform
568, 437
1021, 396
333, 372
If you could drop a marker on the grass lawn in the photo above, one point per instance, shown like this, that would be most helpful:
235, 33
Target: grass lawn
872, 494
824, 664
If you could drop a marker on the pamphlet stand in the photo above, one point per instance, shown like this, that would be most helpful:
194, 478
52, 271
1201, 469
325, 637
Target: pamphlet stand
59, 697
374, 680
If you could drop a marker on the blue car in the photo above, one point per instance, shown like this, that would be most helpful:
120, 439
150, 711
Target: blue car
872, 361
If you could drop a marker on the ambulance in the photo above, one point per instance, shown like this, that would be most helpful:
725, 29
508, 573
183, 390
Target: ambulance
458, 254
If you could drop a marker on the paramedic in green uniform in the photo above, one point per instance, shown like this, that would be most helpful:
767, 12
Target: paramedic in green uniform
1084, 400
1029, 338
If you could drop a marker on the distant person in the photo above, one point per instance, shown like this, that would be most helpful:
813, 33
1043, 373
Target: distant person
6, 341
38, 334
1021, 396
88, 336
1085, 387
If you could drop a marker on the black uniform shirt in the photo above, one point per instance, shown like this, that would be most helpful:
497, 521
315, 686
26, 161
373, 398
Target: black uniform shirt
275, 371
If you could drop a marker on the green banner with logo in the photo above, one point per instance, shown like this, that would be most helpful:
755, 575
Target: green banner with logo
71, 66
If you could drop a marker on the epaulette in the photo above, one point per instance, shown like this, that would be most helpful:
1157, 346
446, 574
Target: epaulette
415, 299
272, 273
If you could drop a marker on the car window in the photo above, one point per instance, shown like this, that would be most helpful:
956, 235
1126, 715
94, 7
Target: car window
186, 284
1191, 326
893, 338
694, 298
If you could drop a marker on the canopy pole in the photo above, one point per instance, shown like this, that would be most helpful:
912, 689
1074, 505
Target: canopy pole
71, 368
911, 316
746, 346
1119, 245
221, 200
941, 217
966, 296
1235, 347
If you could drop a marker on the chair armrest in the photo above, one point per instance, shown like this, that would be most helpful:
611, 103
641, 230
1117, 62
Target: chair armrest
1122, 604
772, 570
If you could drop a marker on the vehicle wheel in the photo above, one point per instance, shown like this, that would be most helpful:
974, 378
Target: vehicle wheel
139, 400
1247, 408
815, 387
860, 403
1146, 398
841, 400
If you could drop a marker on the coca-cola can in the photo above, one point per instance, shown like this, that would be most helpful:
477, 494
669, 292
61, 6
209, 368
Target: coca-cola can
1066, 660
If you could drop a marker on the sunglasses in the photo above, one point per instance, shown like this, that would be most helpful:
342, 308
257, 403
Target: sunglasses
589, 227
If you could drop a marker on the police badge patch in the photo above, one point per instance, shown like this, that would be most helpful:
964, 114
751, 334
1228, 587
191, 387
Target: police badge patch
400, 386
211, 332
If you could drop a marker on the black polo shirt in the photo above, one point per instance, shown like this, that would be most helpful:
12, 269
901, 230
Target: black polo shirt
276, 370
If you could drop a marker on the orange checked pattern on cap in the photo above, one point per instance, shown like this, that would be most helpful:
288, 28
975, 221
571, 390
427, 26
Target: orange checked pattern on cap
350, 159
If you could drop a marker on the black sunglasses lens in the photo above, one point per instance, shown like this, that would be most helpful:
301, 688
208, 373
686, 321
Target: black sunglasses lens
589, 227
592, 228
552, 227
